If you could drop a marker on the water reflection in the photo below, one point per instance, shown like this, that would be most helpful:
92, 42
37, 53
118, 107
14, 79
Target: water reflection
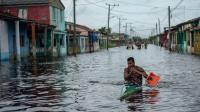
148, 96
151, 96
29, 85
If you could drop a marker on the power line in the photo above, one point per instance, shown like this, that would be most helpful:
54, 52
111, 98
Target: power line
179, 3
178, 18
69, 12
121, 11
143, 29
142, 5
116, 11
136, 22
96, 4
183, 8
93, 2
191, 9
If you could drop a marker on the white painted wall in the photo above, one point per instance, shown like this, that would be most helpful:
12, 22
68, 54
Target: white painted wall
17, 39
22, 13
63, 49
96, 46
82, 44
57, 18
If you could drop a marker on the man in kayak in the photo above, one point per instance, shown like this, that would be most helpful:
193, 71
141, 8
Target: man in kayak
133, 74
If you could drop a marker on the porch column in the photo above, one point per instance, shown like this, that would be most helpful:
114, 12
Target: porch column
190, 40
58, 45
33, 40
176, 39
172, 41
65, 44
52, 42
17, 40
84, 45
68, 43
45, 41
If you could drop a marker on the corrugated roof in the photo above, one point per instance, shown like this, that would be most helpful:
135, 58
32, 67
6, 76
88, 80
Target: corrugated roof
22, 2
189, 21
79, 26
55, 3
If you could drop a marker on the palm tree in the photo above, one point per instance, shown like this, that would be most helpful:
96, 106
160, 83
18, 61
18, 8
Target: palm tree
103, 30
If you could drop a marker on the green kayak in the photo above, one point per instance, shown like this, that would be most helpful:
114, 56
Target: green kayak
129, 90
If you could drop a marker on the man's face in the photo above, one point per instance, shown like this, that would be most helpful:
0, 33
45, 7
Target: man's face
130, 63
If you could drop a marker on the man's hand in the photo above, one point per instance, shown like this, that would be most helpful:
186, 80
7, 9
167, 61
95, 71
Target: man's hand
142, 72
132, 69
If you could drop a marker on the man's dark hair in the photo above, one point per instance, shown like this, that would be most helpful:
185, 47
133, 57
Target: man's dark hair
131, 59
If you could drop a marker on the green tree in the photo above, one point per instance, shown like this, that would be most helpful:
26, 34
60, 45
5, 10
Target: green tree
104, 31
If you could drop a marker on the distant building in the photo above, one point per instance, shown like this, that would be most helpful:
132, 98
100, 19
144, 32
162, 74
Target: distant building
117, 39
183, 38
86, 39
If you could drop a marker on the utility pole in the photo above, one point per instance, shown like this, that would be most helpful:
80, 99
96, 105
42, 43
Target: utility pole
159, 32
157, 36
131, 31
156, 29
126, 32
126, 28
169, 23
74, 26
120, 28
108, 30
130, 28
159, 25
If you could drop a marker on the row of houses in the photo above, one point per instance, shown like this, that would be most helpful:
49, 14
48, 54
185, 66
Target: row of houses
88, 40
38, 28
184, 37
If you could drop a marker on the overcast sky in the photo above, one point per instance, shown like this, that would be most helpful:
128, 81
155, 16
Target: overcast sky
143, 14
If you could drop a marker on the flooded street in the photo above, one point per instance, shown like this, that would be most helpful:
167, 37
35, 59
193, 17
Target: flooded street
93, 82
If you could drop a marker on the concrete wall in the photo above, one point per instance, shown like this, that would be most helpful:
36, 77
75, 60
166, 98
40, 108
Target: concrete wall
57, 18
197, 42
63, 48
39, 13
11, 39
96, 46
11, 10
82, 44
24, 37
4, 48
60, 46
103, 43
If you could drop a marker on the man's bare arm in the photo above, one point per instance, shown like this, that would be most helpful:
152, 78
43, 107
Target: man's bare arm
141, 71
126, 75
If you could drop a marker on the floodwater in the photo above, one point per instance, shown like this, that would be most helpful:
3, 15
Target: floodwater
93, 82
